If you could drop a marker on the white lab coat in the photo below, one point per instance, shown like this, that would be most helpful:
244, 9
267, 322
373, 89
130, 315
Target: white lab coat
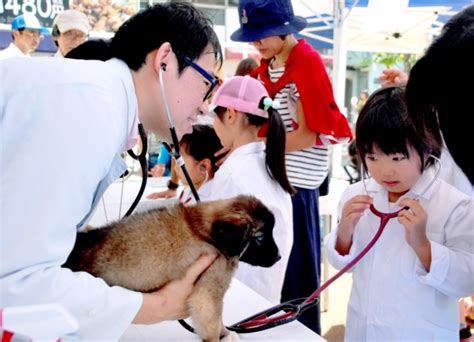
244, 172
12, 51
392, 296
186, 196
63, 125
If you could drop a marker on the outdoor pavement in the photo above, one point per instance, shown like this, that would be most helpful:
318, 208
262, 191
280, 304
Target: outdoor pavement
334, 318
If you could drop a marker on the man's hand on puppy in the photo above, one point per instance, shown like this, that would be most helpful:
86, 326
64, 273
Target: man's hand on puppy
170, 302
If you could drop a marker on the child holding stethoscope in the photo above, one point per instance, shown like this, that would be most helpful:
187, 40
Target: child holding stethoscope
407, 286
198, 150
253, 167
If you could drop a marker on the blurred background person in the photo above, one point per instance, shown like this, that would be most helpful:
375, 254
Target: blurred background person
246, 66
27, 34
159, 159
70, 29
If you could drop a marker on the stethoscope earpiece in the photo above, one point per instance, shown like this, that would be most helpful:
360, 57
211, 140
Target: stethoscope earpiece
163, 66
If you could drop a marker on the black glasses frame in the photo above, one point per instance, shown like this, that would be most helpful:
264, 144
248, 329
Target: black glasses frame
215, 81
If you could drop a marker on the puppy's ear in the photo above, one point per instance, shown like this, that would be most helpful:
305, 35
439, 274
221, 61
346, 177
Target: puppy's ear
228, 237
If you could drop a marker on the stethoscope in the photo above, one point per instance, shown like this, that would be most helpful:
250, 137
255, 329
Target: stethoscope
141, 157
294, 309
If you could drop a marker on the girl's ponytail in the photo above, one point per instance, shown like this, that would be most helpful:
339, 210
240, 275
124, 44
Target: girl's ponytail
275, 151
276, 142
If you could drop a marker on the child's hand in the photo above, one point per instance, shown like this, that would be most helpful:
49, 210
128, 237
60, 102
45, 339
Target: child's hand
391, 77
170, 193
157, 171
351, 214
221, 155
414, 220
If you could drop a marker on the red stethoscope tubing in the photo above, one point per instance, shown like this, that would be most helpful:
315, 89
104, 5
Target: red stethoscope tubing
263, 319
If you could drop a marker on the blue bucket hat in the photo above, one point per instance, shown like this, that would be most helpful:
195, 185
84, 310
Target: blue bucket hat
265, 18
28, 21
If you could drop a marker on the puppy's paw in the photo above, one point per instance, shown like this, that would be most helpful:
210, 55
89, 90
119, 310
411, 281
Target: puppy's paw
231, 337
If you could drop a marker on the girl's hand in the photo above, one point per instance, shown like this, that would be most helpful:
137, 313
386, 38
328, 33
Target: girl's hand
414, 220
170, 193
157, 171
222, 155
392, 77
351, 214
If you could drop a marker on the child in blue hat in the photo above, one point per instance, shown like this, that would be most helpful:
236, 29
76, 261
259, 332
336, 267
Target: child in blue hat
293, 73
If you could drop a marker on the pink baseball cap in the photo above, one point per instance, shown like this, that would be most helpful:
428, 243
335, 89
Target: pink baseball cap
242, 93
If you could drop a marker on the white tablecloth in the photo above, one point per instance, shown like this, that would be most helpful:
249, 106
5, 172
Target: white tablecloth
239, 302
120, 195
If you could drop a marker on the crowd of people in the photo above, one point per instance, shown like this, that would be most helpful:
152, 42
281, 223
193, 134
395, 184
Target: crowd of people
269, 136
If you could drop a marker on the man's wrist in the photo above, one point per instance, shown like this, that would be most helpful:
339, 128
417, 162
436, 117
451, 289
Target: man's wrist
172, 185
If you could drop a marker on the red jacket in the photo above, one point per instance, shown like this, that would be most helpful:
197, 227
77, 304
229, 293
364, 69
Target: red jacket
305, 68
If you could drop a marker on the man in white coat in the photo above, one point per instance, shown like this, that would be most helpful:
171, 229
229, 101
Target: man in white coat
63, 126
27, 34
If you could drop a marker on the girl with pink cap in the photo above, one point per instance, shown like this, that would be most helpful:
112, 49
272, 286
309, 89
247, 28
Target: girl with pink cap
253, 167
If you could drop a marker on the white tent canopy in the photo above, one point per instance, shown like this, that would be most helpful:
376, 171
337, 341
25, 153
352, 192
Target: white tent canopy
402, 26
405, 26
382, 25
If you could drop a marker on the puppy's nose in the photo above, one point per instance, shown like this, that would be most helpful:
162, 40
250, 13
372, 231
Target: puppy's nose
277, 257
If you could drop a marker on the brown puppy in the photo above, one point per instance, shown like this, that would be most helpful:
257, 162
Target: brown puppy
145, 251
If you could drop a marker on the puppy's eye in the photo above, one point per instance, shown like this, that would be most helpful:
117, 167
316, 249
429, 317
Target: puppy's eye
258, 237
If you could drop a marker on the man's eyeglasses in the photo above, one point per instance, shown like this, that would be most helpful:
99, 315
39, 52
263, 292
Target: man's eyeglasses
214, 81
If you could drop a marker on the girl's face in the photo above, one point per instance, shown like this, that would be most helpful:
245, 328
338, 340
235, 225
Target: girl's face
222, 131
196, 169
395, 172
270, 46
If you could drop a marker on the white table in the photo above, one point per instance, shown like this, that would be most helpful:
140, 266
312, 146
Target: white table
239, 302
120, 195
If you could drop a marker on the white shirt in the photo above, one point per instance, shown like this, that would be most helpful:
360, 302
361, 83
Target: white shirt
392, 296
63, 125
244, 172
186, 196
12, 51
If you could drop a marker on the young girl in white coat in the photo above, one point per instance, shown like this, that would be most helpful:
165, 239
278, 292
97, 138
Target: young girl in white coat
407, 286
198, 150
255, 168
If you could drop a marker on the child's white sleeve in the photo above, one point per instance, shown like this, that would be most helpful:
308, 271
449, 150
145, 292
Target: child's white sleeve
452, 263
337, 260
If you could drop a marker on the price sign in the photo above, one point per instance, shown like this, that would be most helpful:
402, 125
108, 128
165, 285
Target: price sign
44, 10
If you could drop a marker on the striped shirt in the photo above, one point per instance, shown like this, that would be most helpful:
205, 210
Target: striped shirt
308, 167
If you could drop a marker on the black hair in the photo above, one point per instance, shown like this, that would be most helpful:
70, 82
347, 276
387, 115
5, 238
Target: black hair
437, 92
55, 33
384, 123
246, 66
202, 144
275, 146
92, 49
187, 30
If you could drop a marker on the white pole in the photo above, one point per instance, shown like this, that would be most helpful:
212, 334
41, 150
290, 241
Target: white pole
339, 76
